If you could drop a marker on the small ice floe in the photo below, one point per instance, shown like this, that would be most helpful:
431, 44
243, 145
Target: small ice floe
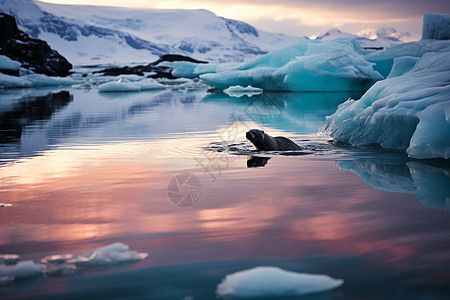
274, 282
5, 205
239, 91
21, 270
33, 80
124, 85
9, 259
109, 255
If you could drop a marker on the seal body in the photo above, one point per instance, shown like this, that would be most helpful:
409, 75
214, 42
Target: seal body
265, 142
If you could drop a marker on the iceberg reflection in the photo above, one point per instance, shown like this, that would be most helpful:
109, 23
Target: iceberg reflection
430, 182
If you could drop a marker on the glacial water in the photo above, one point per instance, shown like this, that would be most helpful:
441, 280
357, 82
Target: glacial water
170, 173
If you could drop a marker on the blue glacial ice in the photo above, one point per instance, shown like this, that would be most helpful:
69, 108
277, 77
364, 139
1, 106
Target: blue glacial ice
311, 65
409, 112
34, 80
436, 26
126, 85
8, 64
274, 282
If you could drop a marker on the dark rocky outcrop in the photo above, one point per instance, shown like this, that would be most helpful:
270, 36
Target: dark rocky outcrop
160, 71
33, 54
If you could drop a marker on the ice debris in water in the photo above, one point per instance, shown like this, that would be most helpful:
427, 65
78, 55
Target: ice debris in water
9, 259
274, 282
239, 91
409, 112
21, 270
33, 80
108, 255
65, 264
124, 85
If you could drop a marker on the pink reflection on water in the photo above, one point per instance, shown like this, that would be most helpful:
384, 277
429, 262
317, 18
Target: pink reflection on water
293, 207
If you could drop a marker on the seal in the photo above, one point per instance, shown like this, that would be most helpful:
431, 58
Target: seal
265, 142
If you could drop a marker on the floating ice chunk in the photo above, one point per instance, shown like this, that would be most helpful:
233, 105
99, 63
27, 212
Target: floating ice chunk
410, 112
44, 80
149, 84
130, 86
33, 80
8, 64
108, 255
436, 26
8, 81
9, 259
19, 271
311, 65
239, 91
5, 204
274, 282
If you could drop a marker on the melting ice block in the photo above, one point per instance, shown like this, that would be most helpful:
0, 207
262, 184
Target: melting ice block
274, 282
124, 85
20, 270
312, 65
410, 112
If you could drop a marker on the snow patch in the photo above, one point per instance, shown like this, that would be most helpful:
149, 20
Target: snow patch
274, 282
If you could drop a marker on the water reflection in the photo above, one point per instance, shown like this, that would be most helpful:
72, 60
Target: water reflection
27, 110
429, 181
256, 161
300, 113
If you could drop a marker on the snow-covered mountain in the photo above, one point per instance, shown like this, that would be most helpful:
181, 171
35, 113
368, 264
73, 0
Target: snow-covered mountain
104, 35
369, 38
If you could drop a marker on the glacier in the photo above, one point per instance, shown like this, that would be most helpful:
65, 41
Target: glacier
268, 281
308, 66
409, 112
93, 35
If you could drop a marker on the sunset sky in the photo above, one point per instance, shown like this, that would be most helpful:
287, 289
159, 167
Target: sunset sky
303, 17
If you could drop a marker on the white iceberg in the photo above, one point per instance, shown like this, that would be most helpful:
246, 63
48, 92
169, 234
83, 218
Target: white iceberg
239, 91
410, 112
274, 282
109, 255
311, 65
20, 270
33, 80
125, 85
9, 259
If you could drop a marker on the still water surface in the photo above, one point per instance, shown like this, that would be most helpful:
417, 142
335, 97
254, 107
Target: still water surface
80, 170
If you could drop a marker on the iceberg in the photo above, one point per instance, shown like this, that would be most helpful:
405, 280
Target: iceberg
410, 112
274, 282
124, 85
33, 80
436, 26
312, 65
108, 255
20, 270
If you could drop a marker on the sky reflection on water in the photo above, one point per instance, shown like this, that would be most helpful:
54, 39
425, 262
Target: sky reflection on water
98, 170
